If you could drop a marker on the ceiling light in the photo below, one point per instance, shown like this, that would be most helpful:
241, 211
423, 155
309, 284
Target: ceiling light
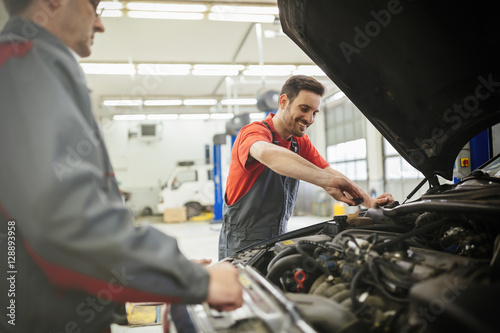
269, 70
111, 13
166, 7
129, 117
112, 69
163, 69
309, 70
200, 101
257, 116
239, 101
245, 10
165, 15
194, 116
162, 116
122, 102
109, 5
241, 17
162, 102
217, 70
338, 95
221, 116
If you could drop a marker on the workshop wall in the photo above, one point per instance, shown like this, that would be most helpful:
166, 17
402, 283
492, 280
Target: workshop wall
140, 162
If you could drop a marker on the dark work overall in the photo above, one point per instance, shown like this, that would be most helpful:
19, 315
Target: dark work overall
262, 213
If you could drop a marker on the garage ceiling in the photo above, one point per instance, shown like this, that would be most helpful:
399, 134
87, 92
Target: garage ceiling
135, 41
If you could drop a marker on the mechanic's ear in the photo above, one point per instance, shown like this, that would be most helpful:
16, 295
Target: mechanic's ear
53, 4
283, 100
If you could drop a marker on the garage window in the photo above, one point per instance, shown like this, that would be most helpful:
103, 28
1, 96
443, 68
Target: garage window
345, 139
349, 158
396, 167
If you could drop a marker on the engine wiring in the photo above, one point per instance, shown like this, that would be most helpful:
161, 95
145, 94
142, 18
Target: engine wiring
371, 272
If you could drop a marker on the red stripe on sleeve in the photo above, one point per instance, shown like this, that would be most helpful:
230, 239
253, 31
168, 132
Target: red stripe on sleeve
14, 49
68, 279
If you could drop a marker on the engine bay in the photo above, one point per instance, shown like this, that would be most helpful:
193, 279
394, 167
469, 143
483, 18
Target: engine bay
414, 272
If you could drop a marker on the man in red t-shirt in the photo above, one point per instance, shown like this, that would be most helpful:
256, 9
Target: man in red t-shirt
268, 160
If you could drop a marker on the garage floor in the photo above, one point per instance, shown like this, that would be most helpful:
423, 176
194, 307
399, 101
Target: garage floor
198, 240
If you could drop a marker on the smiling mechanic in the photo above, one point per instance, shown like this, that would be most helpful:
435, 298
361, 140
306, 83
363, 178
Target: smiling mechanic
268, 160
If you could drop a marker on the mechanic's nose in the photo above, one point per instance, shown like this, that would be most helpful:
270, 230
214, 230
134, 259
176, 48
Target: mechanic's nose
98, 25
310, 117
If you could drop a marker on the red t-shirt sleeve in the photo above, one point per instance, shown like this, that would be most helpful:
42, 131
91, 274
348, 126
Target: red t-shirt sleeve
242, 175
247, 137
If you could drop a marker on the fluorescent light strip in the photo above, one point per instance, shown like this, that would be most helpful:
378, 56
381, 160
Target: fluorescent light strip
269, 70
129, 117
257, 116
338, 95
113, 5
162, 116
111, 13
199, 116
162, 102
200, 102
245, 10
165, 15
108, 69
217, 70
241, 101
221, 116
308, 70
163, 69
241, 17
122, 102
166, 7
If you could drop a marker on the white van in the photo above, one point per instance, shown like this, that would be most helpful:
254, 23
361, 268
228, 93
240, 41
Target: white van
189, 185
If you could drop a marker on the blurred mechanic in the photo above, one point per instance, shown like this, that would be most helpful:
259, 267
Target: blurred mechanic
268, 160
70, 252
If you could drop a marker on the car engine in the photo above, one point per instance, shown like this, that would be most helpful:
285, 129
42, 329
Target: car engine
423, 267
431, 265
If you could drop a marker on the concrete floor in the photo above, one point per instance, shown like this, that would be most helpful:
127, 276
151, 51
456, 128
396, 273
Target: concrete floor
199, 240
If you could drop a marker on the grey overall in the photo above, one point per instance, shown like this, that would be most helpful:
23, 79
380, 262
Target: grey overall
262, 213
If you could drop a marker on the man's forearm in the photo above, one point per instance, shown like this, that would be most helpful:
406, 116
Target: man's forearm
289, 164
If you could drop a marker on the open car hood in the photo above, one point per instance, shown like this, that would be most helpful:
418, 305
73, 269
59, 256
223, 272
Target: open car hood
425, 73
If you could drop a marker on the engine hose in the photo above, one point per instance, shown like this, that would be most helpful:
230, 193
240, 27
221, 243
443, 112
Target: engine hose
282, 265
287, 251
300, 250
399, 239
335, 289
355, 303
378, 284
341, 296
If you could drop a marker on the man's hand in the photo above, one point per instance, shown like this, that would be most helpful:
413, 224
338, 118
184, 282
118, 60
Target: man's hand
343, 190
203, 262
224, 289
381, 200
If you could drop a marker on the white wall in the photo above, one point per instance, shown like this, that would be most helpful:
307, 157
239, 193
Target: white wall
144, 164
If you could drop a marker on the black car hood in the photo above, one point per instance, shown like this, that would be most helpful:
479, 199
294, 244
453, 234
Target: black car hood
425, 73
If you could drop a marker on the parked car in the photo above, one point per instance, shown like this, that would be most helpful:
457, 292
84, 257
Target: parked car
190, 185
427, 75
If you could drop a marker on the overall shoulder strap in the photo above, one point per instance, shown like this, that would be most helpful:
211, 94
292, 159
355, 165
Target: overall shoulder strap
294, 146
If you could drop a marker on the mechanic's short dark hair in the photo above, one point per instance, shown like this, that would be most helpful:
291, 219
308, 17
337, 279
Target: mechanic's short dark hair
296, 83
15, 7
